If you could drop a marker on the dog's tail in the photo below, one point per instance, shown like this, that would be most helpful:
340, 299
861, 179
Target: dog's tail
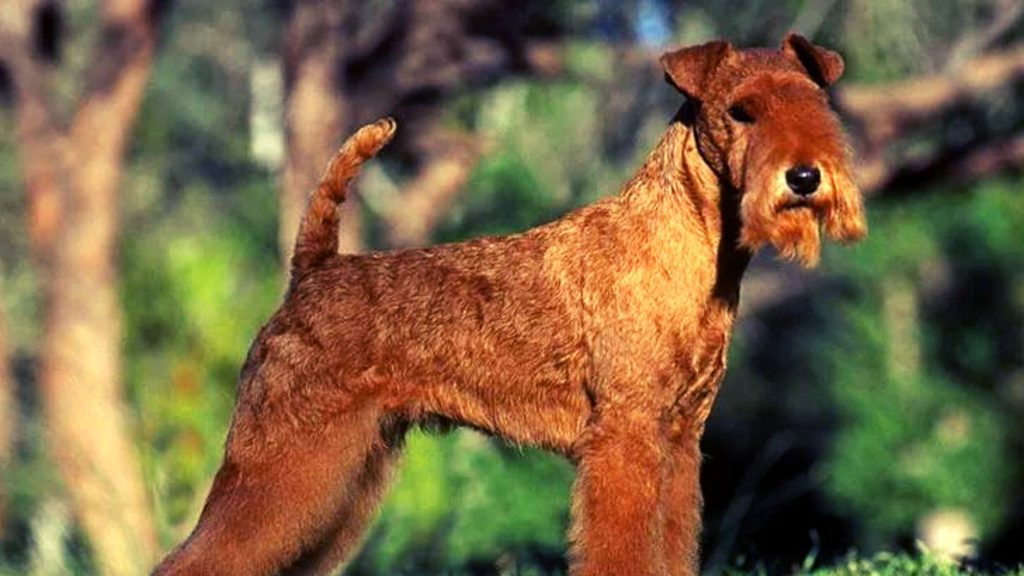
318, 232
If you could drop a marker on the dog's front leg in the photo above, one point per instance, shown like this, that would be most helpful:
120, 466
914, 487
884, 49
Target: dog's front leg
681, 500
616, 525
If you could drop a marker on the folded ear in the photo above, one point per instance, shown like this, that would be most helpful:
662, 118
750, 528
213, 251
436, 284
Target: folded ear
823, 65
689, 69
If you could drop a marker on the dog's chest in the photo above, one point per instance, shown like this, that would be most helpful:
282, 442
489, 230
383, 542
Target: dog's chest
700, 362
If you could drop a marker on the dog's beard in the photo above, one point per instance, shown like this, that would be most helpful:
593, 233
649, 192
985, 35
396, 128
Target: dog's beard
793, 231
771, 214
844, 216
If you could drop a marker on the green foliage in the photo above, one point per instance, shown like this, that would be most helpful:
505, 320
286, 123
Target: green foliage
911, 447
885, 564
924, 563
193, 298
544, 157
926, 407
200, 268
462, 500
917, 436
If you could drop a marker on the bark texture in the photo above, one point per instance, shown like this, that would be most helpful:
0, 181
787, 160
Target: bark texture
72, 174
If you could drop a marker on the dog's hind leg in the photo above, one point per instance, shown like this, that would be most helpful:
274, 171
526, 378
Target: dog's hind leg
279, 492
362, 499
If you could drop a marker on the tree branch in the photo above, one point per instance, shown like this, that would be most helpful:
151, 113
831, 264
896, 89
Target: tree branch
955, 164
40, 136
1006, 14
116, 83
885, 112
424, 201
882, 115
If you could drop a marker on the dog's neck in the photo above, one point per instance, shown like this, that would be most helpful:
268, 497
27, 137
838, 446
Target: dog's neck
677, 183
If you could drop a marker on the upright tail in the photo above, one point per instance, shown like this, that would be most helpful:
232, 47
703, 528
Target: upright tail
318, 232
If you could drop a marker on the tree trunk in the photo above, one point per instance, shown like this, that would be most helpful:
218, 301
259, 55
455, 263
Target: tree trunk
8, 421
348, 62
426, 198
72, 180
315, 116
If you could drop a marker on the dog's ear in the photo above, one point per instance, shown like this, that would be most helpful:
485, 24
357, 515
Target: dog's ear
823, 65
689, 69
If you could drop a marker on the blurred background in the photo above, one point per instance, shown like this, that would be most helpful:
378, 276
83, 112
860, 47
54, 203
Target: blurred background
155, 154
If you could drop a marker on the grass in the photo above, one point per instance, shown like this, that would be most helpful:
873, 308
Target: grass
906, 565
888, 564
883, 564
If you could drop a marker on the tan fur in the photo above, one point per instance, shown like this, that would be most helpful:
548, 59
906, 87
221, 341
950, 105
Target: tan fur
601, 336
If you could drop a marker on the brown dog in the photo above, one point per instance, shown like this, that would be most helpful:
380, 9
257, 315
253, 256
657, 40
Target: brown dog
601, 336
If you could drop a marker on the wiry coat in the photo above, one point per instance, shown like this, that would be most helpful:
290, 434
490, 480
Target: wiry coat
601, 336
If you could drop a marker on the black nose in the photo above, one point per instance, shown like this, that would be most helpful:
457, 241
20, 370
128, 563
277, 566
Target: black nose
803, 180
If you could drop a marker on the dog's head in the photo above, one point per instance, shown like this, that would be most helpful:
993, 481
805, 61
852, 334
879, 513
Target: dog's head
764, 125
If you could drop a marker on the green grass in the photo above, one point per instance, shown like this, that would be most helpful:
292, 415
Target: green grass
904, 565
887, 564
883, 564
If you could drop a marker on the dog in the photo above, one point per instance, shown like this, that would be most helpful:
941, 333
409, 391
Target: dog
601, 336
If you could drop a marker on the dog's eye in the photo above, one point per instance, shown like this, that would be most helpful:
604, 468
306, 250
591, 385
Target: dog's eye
740, 114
